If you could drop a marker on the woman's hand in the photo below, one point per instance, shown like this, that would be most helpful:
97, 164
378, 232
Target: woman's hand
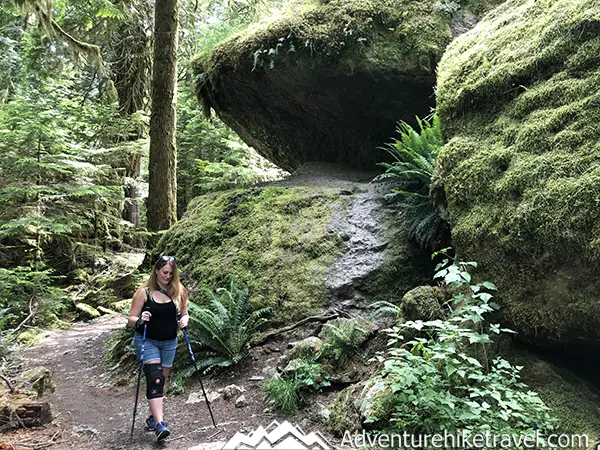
144, 318
183, 321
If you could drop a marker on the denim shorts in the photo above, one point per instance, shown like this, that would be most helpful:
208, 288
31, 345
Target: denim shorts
163, 351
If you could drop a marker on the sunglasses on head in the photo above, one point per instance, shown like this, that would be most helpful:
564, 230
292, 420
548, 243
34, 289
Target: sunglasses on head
167, 259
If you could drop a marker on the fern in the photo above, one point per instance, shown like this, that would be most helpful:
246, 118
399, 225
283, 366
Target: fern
225, 326
414, 157
342, 342
383, 308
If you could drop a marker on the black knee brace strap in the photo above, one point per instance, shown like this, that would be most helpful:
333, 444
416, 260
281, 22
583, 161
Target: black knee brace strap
155, 381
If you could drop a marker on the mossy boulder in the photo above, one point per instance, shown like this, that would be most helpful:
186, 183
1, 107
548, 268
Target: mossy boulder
423, 303
572, 401
281, 242
519, 101
328, 81
87, 311
344, 415
307, 348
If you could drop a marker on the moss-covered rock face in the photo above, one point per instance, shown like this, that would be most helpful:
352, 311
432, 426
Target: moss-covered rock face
283, 244
274, 240
328, 82
572, 401
519, 99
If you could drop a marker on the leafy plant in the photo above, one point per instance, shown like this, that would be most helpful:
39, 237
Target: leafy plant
440, 383
414, 157
25, 291
224, 327
342, 342
211, 156
283, 393
286, 391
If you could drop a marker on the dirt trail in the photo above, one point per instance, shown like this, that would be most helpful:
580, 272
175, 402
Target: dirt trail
92, 414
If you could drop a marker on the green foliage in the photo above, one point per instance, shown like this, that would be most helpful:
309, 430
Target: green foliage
439, 384
414, 157
22, 289
283, 393
211, 157
224, 326
384, 308
342, 342
287, 391
61, 162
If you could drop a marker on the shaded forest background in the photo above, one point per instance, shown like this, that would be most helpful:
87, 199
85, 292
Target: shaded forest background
75, 85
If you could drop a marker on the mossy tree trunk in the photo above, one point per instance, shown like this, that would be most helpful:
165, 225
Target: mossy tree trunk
162, 195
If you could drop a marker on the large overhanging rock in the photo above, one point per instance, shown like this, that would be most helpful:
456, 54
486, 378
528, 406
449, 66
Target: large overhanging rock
519, 98
329, 81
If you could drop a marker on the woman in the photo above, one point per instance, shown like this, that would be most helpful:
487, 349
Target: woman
160, 305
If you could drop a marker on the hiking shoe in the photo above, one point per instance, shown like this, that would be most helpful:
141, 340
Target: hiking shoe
151, 423
161, 431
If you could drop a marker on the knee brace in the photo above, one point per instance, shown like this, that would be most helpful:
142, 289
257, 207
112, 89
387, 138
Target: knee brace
155, 381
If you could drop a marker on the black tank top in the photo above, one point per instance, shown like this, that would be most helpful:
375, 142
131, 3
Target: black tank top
163, 323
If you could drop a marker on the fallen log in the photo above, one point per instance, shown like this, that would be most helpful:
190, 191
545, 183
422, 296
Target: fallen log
18, 410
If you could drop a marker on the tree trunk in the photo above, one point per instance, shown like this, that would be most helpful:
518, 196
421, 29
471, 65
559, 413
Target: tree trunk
131, 208
162, 190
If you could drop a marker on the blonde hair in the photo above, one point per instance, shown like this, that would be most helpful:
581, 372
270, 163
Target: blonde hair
174, 289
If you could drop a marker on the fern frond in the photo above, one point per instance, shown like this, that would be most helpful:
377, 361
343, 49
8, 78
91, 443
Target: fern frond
414, 155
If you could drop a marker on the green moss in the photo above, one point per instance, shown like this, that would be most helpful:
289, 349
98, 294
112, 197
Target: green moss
87, 311
30, 337
274, 240
519, 99
571, 402
342, 413
423, 303
360, 33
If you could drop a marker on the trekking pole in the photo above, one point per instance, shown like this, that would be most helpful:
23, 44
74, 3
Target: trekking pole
187, 341
139, 380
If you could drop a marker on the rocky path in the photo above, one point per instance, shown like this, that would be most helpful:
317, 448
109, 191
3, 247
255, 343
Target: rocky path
90, 413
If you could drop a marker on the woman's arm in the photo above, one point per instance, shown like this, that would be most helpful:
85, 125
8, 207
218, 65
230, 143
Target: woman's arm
137, 304
183, 310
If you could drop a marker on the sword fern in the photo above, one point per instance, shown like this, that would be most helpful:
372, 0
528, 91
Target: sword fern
414, 162
223, 328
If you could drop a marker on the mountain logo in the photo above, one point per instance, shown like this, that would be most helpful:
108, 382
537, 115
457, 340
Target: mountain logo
277, 435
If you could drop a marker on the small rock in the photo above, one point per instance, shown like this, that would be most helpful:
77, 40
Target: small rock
307, 347
324, 414
241, 402
259, 378
232, 390
197, 397
85, 430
